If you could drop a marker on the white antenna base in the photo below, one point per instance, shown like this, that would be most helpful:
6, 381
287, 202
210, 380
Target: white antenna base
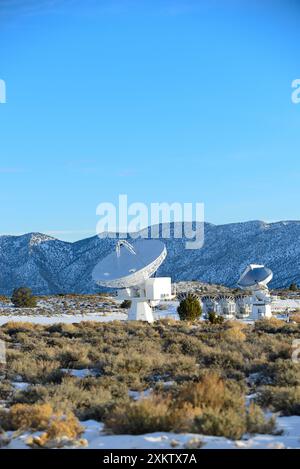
261, 311
140, 311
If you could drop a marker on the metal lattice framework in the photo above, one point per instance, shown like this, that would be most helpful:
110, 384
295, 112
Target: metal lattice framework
183, 295
225, 298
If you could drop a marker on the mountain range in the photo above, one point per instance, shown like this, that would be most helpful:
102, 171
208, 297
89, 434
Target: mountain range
49, 266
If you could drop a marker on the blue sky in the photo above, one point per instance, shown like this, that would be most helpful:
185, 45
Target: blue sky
165, 101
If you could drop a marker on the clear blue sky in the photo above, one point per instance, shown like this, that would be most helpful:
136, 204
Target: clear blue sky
163, 100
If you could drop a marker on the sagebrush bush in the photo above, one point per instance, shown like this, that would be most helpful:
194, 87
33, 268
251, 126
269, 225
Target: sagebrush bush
56, 426
200, 371
27, 417
151, 414
211, 406
60, 428
212, 392
280, 399
227, 423
214, 318
234, 332
256, 422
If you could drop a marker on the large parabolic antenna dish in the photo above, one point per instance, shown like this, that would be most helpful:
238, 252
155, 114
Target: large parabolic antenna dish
255, 276
130, 264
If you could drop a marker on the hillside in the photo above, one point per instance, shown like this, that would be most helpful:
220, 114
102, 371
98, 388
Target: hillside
50, 266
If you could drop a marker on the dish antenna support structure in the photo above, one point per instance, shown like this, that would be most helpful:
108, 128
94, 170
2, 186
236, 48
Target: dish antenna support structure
129, 269
256, 278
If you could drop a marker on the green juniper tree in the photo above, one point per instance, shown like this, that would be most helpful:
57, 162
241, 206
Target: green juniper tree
189, 308
23, 298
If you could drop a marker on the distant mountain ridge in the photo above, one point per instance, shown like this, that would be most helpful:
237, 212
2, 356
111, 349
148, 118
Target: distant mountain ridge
50, 266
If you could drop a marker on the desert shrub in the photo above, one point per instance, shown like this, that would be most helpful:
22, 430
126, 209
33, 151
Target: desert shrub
41, 417
27, 417
139, 356
13, 327
235, 331
189, 309
60, 428
223, 359
280, 399
225, 414
227, 423
33, 370
155, 413
178, 368
6, 389
275, 326
295, 317
257, 422
22, 298
91, 400
214, 318
212, 392
209, 392
211, 406
74, 357
283, 373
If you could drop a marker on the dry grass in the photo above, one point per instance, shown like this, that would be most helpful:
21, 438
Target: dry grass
41, 417
155, 413
27, 417
207, 363
213, 407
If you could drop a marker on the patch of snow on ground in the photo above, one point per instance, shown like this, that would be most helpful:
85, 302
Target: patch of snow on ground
20, 385
97, 439
83, 373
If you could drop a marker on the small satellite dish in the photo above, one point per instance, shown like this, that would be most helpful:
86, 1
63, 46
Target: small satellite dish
255, 275
129, 269
256, 278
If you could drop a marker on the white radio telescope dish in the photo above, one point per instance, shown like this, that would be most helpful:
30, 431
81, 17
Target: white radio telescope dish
129, 269
256, 278
255, 275
130, 264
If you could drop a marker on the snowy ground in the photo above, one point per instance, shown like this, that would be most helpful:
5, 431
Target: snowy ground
71, 309
54, 310
67, 319
282, 305
111, 314
97, 439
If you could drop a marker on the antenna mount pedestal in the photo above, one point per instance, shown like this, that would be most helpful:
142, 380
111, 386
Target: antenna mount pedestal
140, 310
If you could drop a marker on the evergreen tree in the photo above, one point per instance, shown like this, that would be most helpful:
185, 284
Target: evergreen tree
189, 309
22, 298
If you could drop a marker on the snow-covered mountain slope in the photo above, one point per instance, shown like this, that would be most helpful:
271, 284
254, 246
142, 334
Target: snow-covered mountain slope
49, 265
